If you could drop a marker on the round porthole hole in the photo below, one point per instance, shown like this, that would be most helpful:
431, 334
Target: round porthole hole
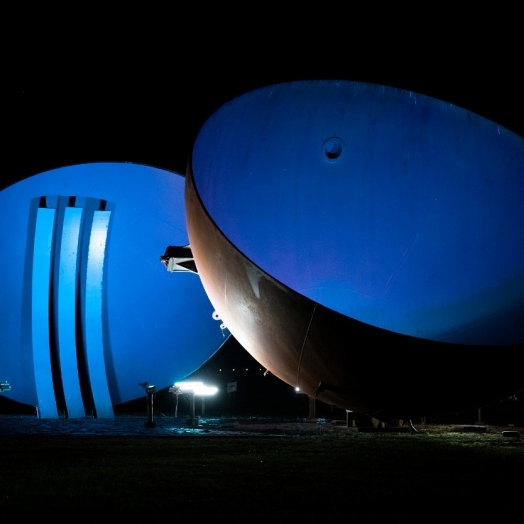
332, 149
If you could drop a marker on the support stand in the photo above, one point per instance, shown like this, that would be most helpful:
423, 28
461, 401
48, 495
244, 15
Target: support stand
193, 421
312, 408
150, 393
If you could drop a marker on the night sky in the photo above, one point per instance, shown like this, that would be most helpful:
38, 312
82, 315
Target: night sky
128, 93
140, 92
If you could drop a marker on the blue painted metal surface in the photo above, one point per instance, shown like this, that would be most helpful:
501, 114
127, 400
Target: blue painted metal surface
396, 209
66, 311
135, 322
38, 381
94, 312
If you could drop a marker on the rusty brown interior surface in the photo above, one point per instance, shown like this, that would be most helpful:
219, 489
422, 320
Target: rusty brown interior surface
335, 358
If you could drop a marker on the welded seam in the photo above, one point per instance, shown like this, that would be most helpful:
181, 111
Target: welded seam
304, 343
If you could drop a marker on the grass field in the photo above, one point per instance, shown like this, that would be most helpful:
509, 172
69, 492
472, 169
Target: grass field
432, 475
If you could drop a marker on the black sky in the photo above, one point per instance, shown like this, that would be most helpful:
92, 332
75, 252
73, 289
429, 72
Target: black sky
126, 92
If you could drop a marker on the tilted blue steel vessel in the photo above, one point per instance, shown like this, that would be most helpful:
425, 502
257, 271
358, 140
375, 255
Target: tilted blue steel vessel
364, 243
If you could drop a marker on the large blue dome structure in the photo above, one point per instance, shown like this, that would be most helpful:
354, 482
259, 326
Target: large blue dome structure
87, 310
364, 243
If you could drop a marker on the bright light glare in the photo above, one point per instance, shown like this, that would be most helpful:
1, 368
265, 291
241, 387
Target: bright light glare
188, 385
198, 388
297, 389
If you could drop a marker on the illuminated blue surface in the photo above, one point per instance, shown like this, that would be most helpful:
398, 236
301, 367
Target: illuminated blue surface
139, 322
396, 209
40, 377
66, 311
94, 308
